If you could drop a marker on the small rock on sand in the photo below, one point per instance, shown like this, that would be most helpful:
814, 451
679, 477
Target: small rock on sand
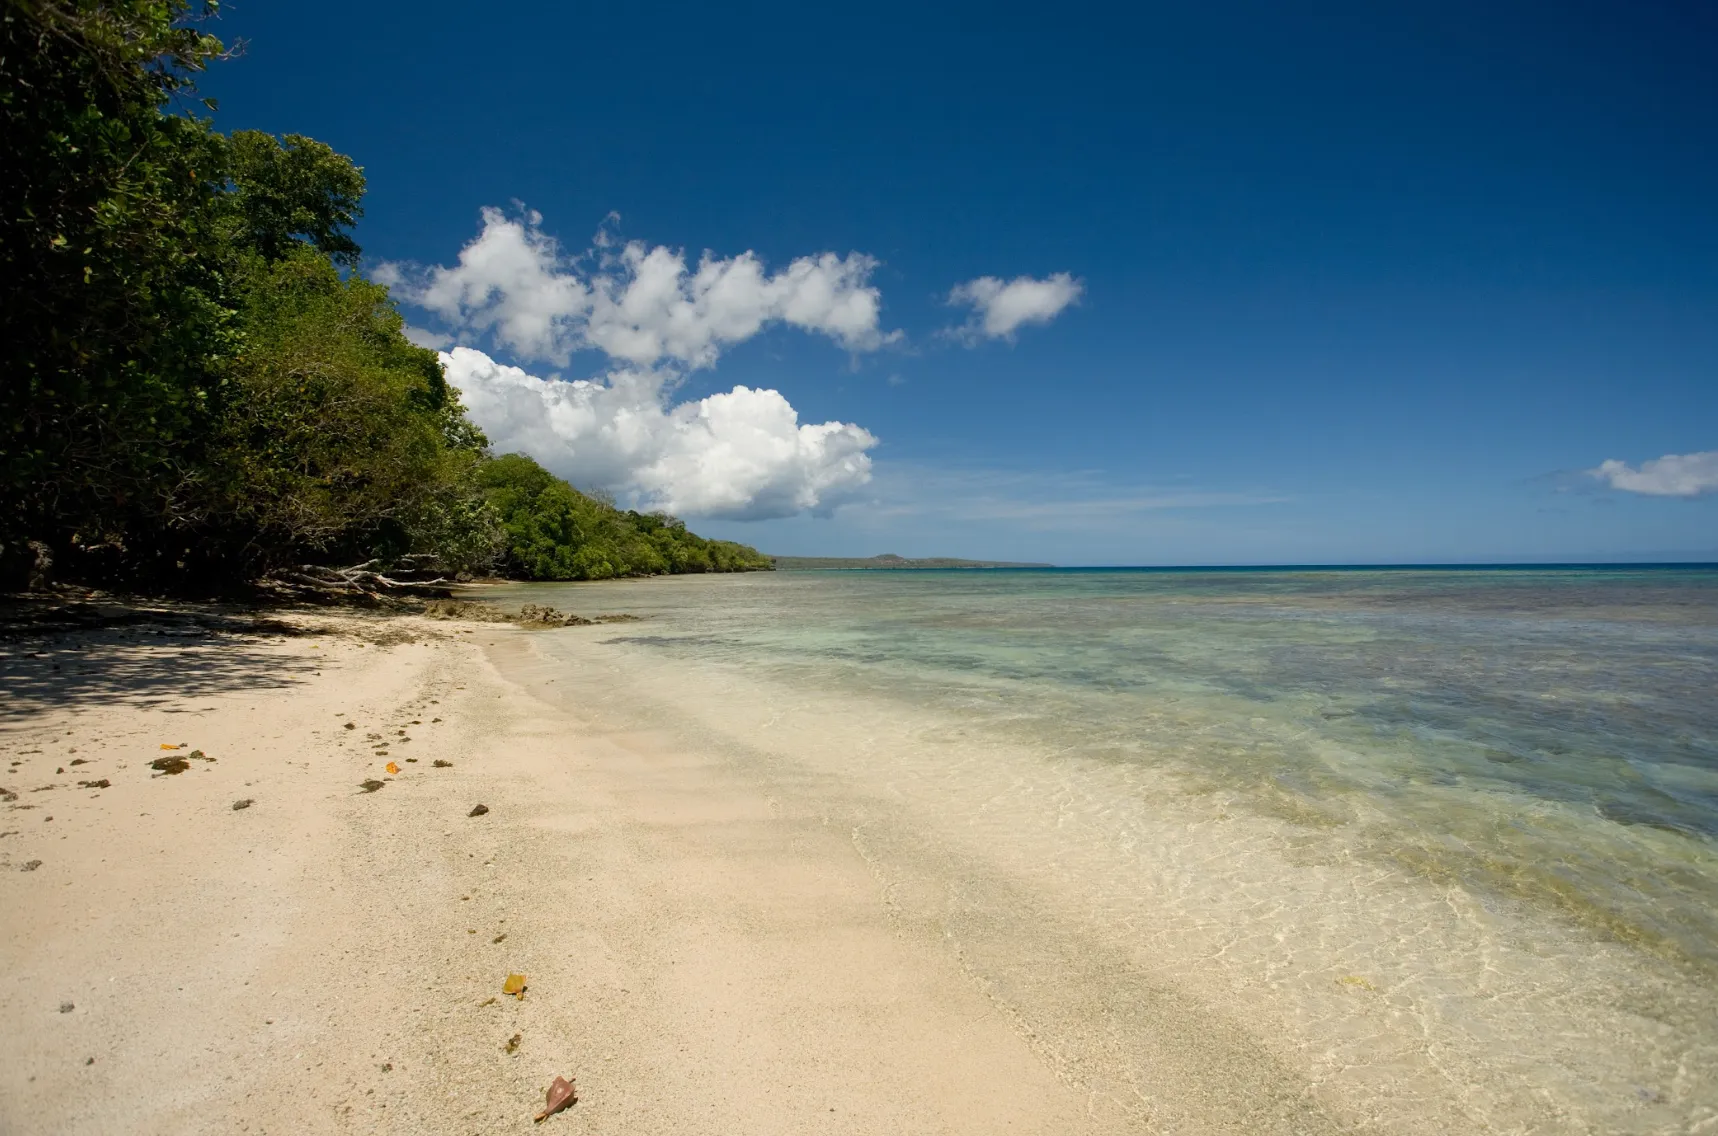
478, 811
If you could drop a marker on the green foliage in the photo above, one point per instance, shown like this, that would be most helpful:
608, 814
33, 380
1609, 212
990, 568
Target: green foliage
554, 532
286, 196
195, 392
111, 316
341, 438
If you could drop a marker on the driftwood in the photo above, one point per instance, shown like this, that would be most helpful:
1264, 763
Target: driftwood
360, 583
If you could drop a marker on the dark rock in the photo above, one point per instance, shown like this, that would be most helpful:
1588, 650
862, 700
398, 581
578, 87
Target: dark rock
244, 804
478, 811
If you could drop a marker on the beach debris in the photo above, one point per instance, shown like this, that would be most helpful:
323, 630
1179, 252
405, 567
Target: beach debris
561, 1094
515, 985
351, 726
478, 810
371, 785
29, 865
391, 767
169, 745
499, 937
1357, 982
487, 1002
440, 764
66, 1007
198, 755
78, 761
244, 804
102, 784
168, 766
512, 1045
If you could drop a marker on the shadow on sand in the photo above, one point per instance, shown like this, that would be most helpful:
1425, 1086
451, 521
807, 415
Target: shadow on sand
56, 654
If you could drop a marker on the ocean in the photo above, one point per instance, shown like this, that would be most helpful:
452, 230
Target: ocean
1429, 849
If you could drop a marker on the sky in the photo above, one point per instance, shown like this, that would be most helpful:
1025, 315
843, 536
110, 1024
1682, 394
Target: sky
1086, 284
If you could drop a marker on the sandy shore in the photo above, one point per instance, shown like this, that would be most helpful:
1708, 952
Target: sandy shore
328, 959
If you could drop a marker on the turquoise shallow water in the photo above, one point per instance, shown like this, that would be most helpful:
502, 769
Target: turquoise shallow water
1456, 698
1491, 794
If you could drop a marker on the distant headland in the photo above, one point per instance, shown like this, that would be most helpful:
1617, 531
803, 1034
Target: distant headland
889, 561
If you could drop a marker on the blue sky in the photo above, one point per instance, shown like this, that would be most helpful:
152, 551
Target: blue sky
1311, 283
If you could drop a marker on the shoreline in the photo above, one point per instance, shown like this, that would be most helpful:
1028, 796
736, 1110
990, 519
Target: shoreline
745, 900
327, 959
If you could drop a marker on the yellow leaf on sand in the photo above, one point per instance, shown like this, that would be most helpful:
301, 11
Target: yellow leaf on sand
391, 767
164, 745
515, 985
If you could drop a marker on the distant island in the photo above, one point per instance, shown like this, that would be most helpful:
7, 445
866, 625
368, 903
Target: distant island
889, 561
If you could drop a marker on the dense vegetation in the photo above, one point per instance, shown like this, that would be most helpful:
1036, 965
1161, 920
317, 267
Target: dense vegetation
199, 388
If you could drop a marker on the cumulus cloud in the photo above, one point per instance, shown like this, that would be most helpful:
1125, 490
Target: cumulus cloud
1673, 475
424, 337
637, 303
742, 454
1000, 308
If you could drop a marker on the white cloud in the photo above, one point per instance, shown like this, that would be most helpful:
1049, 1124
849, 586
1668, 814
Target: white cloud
1673, 475
639, 304
424, 337
1000, 308
742, 455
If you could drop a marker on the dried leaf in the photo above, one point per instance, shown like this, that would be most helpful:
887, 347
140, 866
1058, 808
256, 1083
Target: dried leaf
478, 810
371, 785
181, 745
391, 767
515, 985
561, 1094
512, 1045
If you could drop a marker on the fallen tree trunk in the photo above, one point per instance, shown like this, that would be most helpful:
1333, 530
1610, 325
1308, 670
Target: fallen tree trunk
360, 583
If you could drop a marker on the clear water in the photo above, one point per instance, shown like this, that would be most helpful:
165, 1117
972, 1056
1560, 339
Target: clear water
1432, 850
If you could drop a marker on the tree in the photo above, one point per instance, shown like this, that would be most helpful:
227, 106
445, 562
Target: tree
111, 316
285, 196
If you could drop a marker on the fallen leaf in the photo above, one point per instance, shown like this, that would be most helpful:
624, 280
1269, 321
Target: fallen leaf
440, 764
512, 1045
181, 745
371, 785
102, 784
167, 766
515, 985
244, 804
561, 1094
499, 937
391, 767
478, 811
